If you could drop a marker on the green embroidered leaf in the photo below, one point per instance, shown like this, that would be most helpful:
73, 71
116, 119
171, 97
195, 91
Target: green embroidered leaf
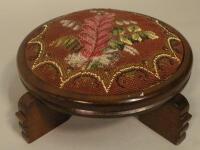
117, 31
73, 44
126, 40
150, 35
114, 44
143, 35
94, 65
136, 37
68, 42
134, 28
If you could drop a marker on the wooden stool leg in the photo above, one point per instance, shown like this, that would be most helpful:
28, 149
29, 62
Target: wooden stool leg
36, 119
170, 120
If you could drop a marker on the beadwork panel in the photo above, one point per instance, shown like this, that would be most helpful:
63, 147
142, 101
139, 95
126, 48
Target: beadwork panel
103, 52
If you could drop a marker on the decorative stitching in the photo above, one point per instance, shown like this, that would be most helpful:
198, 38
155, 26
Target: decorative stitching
63, 81
36, 41
172, 37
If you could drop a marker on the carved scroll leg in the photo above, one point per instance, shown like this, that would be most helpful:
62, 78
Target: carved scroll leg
36, 119
170, 120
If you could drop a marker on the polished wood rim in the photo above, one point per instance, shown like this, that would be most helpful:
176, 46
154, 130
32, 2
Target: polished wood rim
95, 105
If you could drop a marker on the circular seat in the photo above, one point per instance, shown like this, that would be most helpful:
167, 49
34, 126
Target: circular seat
104, 63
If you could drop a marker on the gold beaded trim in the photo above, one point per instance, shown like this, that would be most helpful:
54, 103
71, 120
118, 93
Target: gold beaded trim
64, 80
36, 40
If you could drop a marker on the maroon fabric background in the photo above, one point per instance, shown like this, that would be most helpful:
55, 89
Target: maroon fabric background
127, 82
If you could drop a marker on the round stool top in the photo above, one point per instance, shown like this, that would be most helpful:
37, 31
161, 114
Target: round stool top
104, 56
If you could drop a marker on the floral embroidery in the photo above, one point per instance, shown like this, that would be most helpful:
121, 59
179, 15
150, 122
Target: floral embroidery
97, 44
101, 40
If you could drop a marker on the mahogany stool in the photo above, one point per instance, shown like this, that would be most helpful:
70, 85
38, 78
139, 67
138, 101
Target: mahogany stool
104, 63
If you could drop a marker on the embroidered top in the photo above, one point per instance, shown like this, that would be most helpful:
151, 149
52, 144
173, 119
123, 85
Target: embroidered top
103, 52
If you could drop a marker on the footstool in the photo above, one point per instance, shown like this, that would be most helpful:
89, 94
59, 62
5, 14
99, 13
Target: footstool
104, 63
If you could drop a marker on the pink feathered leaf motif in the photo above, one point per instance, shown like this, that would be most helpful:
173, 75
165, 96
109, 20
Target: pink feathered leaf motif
95, 34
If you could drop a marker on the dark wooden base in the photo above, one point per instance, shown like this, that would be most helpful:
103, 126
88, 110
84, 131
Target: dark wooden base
36, 119
169, 120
